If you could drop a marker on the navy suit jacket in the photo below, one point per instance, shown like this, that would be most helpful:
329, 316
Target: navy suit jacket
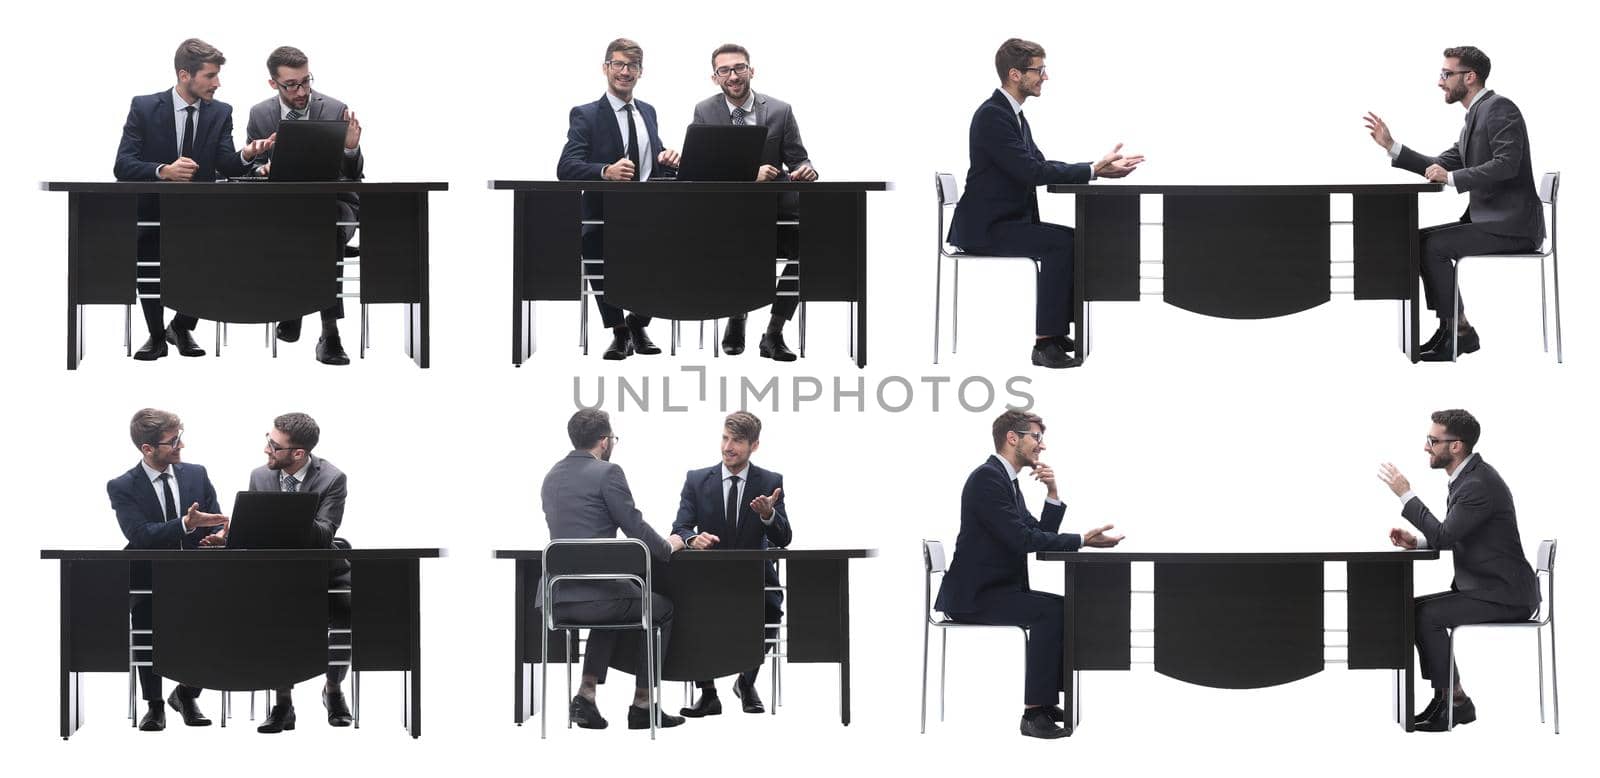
997, 535
149, 139
139, 510
1480, 531
594, 140
702, 508
1004, 170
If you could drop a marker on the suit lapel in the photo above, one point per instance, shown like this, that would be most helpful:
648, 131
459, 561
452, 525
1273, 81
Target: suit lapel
608, 127
1470, 124
166, 126
145, 494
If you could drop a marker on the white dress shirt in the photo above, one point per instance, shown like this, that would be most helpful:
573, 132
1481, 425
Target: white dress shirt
161, 497
646, 154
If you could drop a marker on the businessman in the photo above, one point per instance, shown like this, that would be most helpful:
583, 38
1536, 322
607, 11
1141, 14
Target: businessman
1491, 163
736, 505
586, 496
289, 74
987, 582
999, 211
1493, 581
149, 502
783, 158
179, 134
291, 467
614, 139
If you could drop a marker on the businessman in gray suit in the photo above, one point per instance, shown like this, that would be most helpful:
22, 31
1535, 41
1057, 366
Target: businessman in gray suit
586, 496
784, 158
1491, 163
291, 467
289, 73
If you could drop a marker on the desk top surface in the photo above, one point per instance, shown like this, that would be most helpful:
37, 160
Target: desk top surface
1097, 556
1242, 189
273, 555
821, 187
214, 188
714, 555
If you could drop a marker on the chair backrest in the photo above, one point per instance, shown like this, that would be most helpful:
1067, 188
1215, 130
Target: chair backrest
1549, 183
945, 185
1545, 567
932, 562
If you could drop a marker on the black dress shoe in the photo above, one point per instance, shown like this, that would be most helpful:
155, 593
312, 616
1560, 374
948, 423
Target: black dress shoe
154, 348
708, 704
583, 713
289, 331
155, 719
338, 711
621, 346
1056, 713
772, 347
280, 719
1067, 343
186, 707
330, 351
1466, 341
746, 692
1433, 341
639, 718
184, 340
1041, 725
733, 339
1427, 712
1049, 353
1465, 713
641, 341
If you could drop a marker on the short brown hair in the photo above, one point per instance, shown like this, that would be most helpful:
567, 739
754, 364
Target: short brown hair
1472, 58
1013, 421
149, 424
302, 430
629, 49
1461, 424
285, 57
1015, 53
588, 427
743, 425
193, 53
729, 48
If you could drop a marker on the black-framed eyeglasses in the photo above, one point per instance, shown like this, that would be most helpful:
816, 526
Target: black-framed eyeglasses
1040, 70
1038, 437
295, 86
177, 440
614, 438
738, 70
1444, 74
1433, 441
273, 445
618, 66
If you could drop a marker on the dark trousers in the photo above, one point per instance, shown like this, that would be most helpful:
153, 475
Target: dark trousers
1040, 612
338, 618
784, 305
597, 657
594, 248
1438, 612
140, 610
1443, 244
774, 615
1051, 246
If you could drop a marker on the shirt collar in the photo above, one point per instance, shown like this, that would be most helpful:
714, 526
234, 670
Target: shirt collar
1457, 474
178, 103
1016, 107
1476, 99
749, 104
154, 474
743, 476
1010, 471
616, 102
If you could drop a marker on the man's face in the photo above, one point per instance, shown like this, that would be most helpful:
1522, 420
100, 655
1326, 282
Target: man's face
1453, 81
736, 451
165, 453
621, 74
732, 72
293, 85
607, 445
1029, 445
281, 451
1440, 447
202, 85
1033, 78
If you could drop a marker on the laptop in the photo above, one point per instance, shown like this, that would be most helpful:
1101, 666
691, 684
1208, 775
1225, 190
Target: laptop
719, 152
273, 519
308, 151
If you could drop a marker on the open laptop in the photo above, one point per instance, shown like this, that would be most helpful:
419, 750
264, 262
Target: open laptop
308, 151
719, 152
273, 519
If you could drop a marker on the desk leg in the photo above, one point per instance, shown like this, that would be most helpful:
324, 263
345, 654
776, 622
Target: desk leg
1409, 700
844, 637
1069, 616
861, 285
1413, 314
74, 310
413, 676
519, 709
1082, 226
70, 716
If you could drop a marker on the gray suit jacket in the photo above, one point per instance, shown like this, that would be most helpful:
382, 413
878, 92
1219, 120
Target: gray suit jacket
584, 497
1491, 164
322, 478
1480, 531
784, 150
265, 116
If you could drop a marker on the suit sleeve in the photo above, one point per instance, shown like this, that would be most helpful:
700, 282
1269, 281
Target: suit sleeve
619, 502
1017, 532
227, 159
778, 532
208, 504
129, 167
1000, 136
1472, 508
1508, 144
575, 164
330, 513
1417, 162
687, 523
136, 526
794, 149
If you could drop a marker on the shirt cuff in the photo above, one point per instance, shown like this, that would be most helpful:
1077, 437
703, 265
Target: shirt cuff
1450, 178
768, 522
352, 152
1394, 150
1405, 498
1422, 542
1053, 501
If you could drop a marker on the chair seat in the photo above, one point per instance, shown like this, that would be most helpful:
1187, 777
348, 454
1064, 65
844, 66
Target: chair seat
1516, 255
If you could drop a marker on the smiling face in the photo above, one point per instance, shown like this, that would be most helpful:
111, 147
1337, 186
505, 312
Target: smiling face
1032, 78
166, 452
282, 454
1029, 445
622, 74
1454, 80
736, 450
733, 73
1442, 448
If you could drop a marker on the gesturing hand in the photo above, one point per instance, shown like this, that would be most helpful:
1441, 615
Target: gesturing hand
764, 506
1389, 474
1379, 131
1099, 538
352, 130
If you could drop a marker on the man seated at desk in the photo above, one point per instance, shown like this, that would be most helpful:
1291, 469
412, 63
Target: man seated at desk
987, 581
147, 502
289, 73
614, 139
736, 505
784, 158
179, 134
586, 496
1493, 581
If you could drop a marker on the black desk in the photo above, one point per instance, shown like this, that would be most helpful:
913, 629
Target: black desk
684, 249
247, 252
1248, 251
1239, 620
718, 615
268, 631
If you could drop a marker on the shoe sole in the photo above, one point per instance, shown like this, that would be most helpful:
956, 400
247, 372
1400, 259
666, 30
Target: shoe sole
186, 723
691, 713
285, 728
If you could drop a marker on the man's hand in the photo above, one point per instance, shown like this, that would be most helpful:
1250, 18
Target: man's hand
1397, 483
764, 506
1402, 539
1098, 538
352, 131
258, 147
621, 170
1115, 165
264, 170
675, 543
1379, 131
703, 541
668, 157
803, 173
180, 169
1044, 474
766, 173
1437, 174
195, 519
215, 540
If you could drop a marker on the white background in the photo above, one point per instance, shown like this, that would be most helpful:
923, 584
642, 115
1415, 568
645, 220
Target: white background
1186, 432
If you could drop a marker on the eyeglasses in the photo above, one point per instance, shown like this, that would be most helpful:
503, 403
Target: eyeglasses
1433, 441
273, 445
614, 438
738, 70
1038, 437
1444, 74
177, 440
618, 66
1039, 70
295, 86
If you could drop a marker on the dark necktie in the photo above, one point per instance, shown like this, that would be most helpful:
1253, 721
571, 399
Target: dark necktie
1027, 132
1016, 494
738, 116
733, 504
294, 115
633, 142
188, 133
291, 484
171, 509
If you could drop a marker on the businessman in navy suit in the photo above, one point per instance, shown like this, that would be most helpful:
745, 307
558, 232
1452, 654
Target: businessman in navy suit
999, 211
987, 582
1493, 581
179, 134
149, 502
735, 505
614, 139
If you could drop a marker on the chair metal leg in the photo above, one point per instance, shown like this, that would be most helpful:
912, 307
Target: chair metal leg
127, 329
568, 668
802, 329
1544, 309
132, 706
224, 333
925, 638
652, 638
366, 333
355, 697
1539, 634
944, 652
674, 337
1555, 689
852, 330
955, 303
702, 335
544, 678
938, 299
716, 338
1450, 689
217, 329
272, 338
1555, 284
1455, 323
583, 324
